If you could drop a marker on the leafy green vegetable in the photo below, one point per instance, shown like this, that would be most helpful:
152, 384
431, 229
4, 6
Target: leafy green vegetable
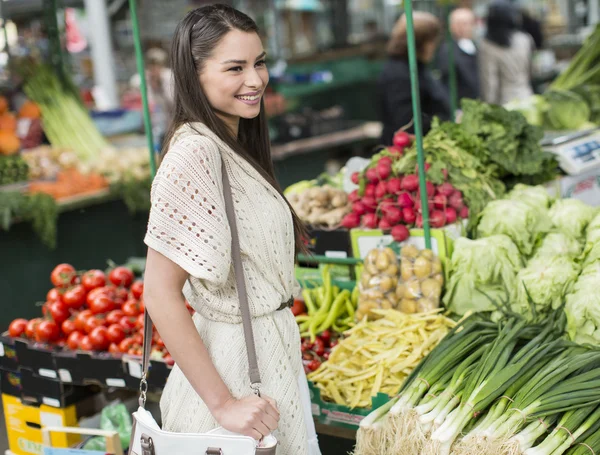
591, 94
558, 244
481, 270
521, 222
566, 110
592, 254
593, 230
536, 196
584, 68
508, 139
571, 216
546, 281
532, 108
583, 307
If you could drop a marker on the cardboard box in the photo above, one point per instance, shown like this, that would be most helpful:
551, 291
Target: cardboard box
24, 422
585, 187
37, 357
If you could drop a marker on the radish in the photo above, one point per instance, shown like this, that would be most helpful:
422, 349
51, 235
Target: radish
380, 190
359, 208
410, 183
401, 139
372, 175
400, 233
418, 203
419, 220
386, 204
430, 189
385, 225
440, 201
450, 213
394, 185
386, 160
427, 167
355, 177
464, 212
384, 169
437, 219
370, 189
370, 203
370, 221
405, 200
396, 151
353, 196
445, 173
351, 220
394, 215
456, 200
409, 215
445, 189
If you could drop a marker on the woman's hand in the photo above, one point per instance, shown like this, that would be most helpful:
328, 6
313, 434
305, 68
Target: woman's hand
251, 416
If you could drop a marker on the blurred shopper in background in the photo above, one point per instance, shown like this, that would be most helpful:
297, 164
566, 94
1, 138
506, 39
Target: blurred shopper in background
394, 81
505, 57
462, 26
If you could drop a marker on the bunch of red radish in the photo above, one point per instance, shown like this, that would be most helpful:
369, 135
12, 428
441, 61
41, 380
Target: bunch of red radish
392, 203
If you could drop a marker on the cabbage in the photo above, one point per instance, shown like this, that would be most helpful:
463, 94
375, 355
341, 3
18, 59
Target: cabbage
557, 244
593, 230
481, 270
583, 307
571, 216
545, 281
532, 108
521, 222
566, 110
592, 255
536, 196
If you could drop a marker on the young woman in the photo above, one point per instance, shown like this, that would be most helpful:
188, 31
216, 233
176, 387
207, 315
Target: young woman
506, 56
394, 81
220, 76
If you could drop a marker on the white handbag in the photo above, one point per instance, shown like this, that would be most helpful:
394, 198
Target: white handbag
146, 436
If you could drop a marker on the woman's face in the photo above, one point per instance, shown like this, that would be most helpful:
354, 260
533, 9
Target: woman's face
235, 76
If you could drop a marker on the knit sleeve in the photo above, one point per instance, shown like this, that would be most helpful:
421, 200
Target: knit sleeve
188, 223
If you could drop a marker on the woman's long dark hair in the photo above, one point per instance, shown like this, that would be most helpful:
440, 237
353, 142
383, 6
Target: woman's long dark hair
502, 22
195, 38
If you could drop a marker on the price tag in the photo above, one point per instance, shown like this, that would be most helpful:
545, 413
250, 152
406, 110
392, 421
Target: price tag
135, 369
51, 402
115, 382
336, 254
65, 375
48, 373
23, 127
1, 350
48, 419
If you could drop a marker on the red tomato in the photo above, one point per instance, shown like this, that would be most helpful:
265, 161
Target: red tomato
93, 322
128, 323
93, 279
313, 365
63, 275
82, 318
54, 295
85, 344
138, 338
121, 276
99, 338
319, 347
74, 340
114, 348
131, 308
75, 297
126, 344
168, 359
137, 289
17, 327
59, 312
47, 331
140, 322
135, 350
104, 290
102, 304
31, 327
68, 326
116, 334
121, 295
114, 316
61, 342
159, 342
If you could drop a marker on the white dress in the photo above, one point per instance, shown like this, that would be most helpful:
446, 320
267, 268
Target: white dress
189, 226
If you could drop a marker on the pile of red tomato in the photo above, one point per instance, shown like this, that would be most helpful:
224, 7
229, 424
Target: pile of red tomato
91, 311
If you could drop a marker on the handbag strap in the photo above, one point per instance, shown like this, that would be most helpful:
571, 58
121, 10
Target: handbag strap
240, 280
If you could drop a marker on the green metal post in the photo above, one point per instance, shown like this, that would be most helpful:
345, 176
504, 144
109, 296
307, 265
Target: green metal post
416, 102
139, 57
451, 67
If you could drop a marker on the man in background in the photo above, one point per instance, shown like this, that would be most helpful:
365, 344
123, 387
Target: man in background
462, 27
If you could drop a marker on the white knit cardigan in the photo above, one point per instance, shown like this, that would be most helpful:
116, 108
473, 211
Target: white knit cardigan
189, 226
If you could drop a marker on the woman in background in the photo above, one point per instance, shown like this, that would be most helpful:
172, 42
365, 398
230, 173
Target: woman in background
394, 81
505, 56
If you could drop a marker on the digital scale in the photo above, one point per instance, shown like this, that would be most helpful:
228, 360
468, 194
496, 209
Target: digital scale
577, 152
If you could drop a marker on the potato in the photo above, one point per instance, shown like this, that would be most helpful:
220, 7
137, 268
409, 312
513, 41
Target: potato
382, 262
391, 255
406, 270
376, 295
392, 270
400, 291
427, 254
372, 268
439, 278
393, 298
409, 251
431, 289
422, 267
436, 266
386, 304
408, 306
424, 305
365, 279
413, 289
386, 284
